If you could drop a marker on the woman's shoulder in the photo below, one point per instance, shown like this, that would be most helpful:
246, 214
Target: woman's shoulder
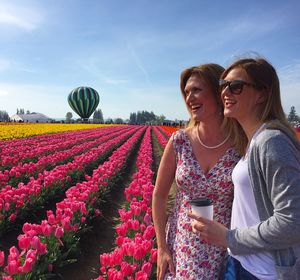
272, 140
276, 136
179, 134
179, 138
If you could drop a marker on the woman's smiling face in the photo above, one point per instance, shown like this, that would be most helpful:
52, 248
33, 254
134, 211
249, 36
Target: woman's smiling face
200, 99
244, 105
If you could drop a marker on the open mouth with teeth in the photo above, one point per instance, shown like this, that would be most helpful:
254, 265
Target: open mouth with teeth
229, 103
194, 108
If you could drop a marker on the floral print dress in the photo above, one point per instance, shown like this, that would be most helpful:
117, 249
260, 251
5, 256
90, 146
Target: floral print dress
193, 258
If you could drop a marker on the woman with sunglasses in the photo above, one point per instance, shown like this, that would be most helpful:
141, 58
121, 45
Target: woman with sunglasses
264, 239
201, 158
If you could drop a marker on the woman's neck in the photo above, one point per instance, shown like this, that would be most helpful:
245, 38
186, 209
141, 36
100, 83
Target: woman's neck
210, 130
250, 127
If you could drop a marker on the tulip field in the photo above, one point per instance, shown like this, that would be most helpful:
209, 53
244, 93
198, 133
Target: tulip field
53, 185
54, 182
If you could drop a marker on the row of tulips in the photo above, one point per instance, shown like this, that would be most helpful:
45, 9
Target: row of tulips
22, 172
43, 245
135, 255
15, 201
166, 132
160, 137
13, 131
169, 129
31, 149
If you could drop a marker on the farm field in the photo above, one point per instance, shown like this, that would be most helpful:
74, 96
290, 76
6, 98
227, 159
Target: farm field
10, 131
55, 190
75, 201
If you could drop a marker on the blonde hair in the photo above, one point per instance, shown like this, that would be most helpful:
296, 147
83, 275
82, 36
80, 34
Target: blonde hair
263, 75
211, 74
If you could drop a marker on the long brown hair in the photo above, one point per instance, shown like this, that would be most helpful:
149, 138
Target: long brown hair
264, 77
211, 74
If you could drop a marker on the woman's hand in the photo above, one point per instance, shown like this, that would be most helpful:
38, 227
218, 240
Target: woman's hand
164, 261
210, 231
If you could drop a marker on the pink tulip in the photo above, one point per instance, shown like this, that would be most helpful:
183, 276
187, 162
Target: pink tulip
32, 254
2, 258
59, 232
149, 233
147, 268
46, 228
13, 267
153, 255
35, 242
42, 249
27, 266
7, 278
97, 212
122, 229
24, 242
147, 219
26, 227
103, 269
127, 269
141, 276
139, 253
13, 254
12, 217
143, 227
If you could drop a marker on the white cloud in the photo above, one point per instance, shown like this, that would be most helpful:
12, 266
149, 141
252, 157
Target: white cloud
4, 64
47, 99
7, 65
3, 93
290, 73
16, 21
116, 81
24, 18
289, 76
138, 63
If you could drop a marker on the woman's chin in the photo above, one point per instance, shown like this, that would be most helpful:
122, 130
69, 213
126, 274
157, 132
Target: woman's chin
229, 114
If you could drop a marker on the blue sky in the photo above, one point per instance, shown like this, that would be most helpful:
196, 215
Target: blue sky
132, 52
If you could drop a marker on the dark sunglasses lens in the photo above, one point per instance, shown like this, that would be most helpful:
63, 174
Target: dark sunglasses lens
236, 87
222, 85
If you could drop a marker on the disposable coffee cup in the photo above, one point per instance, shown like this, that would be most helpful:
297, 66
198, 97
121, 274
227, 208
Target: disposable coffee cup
203, 207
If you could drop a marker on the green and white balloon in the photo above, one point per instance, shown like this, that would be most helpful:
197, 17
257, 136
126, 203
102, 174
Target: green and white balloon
84, 101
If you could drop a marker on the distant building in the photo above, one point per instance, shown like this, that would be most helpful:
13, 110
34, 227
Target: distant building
31, 118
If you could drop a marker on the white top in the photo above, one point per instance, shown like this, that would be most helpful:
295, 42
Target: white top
245, 214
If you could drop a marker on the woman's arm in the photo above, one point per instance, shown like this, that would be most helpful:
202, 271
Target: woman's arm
276, 182
275, 176
164, 180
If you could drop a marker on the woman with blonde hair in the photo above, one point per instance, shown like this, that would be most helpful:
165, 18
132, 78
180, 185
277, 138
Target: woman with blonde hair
264, 236
201, 158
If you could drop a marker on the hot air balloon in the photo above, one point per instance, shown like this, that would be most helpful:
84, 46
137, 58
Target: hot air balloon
83, 101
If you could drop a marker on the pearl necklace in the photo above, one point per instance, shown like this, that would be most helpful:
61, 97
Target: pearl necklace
211, 147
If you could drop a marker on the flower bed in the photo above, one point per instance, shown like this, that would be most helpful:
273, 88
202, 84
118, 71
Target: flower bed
13, 201
10, 131
31, 149
48, 243
21, 172
135, 255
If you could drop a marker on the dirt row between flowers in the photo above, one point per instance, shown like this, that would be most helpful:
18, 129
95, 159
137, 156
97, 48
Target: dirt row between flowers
102, 236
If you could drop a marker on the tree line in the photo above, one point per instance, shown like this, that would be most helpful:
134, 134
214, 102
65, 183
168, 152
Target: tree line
145, 117
97, 117
140, 117
293, 118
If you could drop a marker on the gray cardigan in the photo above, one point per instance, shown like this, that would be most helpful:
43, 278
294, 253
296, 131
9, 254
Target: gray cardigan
274, 168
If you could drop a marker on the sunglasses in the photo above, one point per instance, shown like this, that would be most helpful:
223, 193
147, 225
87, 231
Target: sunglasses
235, 87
